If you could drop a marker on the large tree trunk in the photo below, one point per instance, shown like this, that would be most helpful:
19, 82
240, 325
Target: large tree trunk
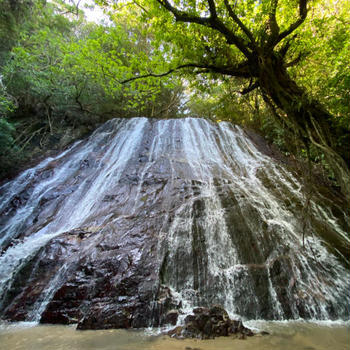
309, 120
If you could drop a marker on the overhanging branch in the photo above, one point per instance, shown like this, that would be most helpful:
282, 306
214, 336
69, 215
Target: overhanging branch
213, 22
236, 71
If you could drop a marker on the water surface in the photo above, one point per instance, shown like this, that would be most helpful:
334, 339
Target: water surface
283, 336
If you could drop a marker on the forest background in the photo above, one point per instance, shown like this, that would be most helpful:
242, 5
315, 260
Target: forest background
61, 75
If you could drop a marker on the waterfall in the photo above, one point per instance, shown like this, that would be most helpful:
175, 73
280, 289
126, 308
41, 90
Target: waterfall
187, 206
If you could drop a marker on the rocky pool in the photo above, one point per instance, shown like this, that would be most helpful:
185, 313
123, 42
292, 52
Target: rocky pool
295, 335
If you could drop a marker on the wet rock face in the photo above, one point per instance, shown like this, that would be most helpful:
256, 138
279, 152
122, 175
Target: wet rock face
146, 219
207, 323
100, 284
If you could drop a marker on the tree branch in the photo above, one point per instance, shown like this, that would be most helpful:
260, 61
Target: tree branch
183, 16
236, 19
140, 6
250, 88
284, 49
297, 23
237, 71
295, 61
212, 8
213, 22
272, 23
231, 38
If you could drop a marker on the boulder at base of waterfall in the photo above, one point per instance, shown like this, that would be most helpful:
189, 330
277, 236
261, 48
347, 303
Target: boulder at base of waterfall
171, 317
210, 323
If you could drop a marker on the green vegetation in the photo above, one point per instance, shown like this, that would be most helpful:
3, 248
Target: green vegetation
280, 67
61, 77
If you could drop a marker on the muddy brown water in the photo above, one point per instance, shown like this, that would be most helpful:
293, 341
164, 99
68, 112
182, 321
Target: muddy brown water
283, 336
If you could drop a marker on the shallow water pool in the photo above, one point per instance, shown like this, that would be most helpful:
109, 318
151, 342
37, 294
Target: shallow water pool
293, 335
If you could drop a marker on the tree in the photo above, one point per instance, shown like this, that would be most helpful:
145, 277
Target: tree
61, 76
250, 40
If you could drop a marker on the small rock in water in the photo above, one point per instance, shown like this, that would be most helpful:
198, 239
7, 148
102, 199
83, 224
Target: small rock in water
171, 317
210, 323
175, 332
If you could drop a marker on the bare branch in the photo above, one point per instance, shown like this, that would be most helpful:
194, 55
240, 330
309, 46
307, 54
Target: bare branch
236, 19
297, 23
213, 22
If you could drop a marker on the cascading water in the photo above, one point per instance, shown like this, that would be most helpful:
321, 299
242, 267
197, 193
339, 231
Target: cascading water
145, 216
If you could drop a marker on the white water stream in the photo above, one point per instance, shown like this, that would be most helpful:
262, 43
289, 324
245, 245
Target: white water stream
220, 165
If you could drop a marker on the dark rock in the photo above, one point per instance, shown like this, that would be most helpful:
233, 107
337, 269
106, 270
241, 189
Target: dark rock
105, 317
200, 310
109, 198
84, 164
205, 328
202, 320
143, 158
210, 323
56, 317
219, 312
190, 318
175, 332
171, 317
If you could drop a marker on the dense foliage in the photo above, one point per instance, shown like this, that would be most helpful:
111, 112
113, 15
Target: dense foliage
292, 52
277, 66
61, 77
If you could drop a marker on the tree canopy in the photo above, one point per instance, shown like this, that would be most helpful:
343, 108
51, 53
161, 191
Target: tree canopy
264, 43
